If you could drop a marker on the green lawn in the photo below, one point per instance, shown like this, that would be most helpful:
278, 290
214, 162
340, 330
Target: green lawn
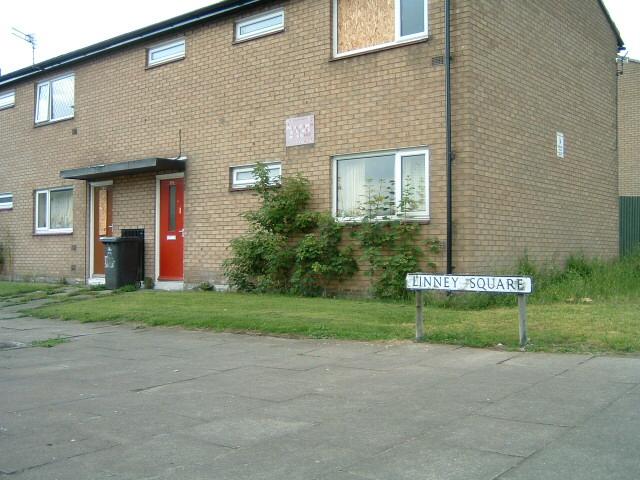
602, 326
10, 289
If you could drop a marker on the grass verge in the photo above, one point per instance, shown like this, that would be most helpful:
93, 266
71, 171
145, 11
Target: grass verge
610, 326
49, 343
10, 289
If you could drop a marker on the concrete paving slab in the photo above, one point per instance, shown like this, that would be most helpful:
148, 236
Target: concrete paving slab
314, 407
608, 369
427, 460
508, 437
48, 445
166, 403
558, 401
151, 459
548, 362
259, 382
598, 449
242, 430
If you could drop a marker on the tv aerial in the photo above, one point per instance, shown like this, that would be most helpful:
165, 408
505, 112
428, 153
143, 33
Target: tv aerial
30, 38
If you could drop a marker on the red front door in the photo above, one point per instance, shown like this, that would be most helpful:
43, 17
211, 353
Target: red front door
171, 229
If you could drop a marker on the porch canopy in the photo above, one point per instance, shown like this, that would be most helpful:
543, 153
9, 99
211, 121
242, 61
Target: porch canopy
107, 171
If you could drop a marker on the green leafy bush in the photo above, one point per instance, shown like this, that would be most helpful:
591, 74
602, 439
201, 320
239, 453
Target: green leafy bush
288, 249
390, 242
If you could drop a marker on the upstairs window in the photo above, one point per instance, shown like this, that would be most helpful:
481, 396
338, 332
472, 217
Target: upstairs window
244, 176
7, 100
6, 201
54, 211
55, 99
363, 25
381, 185
260, 25
166, 52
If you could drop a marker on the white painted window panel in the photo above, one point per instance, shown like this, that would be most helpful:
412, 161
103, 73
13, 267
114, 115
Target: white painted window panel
6, 201
261, 25
166, 52
7, 99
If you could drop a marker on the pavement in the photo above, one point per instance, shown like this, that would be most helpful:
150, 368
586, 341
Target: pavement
132, 402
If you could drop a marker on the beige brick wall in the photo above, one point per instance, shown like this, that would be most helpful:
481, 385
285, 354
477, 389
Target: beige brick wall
231, 102
629, 129
511, 88
537, 68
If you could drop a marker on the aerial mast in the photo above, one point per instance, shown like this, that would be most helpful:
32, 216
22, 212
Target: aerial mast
30, 38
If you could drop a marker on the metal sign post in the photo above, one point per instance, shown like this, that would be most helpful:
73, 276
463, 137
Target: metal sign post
522, 308
521, 286
419, 316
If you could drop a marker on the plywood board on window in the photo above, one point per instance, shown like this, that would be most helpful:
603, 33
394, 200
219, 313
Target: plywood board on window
365, 23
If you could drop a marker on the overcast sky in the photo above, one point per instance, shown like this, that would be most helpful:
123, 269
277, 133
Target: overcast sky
61, 26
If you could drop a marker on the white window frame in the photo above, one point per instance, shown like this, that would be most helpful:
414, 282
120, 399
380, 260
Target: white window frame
243, 184
4, 204
398, 39
423, 215
259, 18
164, 46
5, 95
50, 106
46, 230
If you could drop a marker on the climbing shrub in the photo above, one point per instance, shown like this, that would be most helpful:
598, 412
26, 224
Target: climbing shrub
288, 249
390, 244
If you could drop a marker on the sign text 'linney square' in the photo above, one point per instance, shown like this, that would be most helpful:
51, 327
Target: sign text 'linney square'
469, 283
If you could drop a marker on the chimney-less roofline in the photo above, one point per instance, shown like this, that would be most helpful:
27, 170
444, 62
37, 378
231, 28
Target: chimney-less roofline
135, 36
175, 23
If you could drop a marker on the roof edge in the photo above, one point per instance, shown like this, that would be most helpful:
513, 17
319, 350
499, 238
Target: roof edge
129, 38
175, 23
613, 25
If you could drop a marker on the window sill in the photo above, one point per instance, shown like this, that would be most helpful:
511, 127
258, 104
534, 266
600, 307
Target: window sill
50, 122
237, 41
359, 220
164, 62
242, 189
48, 233
378, 48
7, 107
249, 188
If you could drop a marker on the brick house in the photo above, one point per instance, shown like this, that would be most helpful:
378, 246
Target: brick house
157, 129
629, 148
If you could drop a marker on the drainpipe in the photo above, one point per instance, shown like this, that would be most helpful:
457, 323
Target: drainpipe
449, 150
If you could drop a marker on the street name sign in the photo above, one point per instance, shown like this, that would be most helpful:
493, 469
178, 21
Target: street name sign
470, 283
520, 286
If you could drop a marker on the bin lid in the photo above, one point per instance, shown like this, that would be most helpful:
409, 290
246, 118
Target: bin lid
119, 239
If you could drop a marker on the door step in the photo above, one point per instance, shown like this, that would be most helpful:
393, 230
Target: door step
169, 286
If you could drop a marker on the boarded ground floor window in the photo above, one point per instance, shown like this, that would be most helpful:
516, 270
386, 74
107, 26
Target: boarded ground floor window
54, 210
382, 184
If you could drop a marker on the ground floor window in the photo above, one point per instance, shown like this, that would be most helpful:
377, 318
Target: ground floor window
6, 201
244, 177
382, 185
54, 210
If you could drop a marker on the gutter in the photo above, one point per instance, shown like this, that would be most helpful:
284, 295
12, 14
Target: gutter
449, 149
120, 41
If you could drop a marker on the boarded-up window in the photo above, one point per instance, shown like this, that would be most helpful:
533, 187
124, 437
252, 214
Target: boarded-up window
364, 23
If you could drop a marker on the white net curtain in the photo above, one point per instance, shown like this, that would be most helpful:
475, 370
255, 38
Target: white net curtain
61, 209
